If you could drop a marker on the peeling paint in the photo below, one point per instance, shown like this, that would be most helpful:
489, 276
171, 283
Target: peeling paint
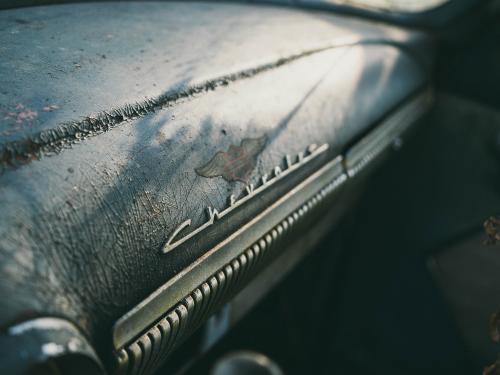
52, 141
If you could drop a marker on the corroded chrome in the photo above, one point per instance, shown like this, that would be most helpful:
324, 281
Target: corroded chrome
213, 214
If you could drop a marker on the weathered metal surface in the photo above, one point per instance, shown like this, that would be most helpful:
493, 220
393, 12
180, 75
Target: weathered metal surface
93, 185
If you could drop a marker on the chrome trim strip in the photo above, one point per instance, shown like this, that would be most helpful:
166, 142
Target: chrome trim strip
230, 268
164, 298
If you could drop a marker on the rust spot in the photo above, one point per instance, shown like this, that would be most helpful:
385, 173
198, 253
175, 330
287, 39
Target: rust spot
21, 114
237, 163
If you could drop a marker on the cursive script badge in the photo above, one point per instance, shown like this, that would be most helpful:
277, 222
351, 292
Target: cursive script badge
237, 163
251, 190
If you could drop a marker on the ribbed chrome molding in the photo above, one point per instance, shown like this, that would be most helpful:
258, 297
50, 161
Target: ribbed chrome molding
144, 354
145, 336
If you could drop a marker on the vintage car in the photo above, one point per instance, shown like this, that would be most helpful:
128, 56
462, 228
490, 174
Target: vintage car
260, 187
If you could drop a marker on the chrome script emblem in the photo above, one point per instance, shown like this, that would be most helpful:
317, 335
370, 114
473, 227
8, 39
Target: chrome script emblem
251, 190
